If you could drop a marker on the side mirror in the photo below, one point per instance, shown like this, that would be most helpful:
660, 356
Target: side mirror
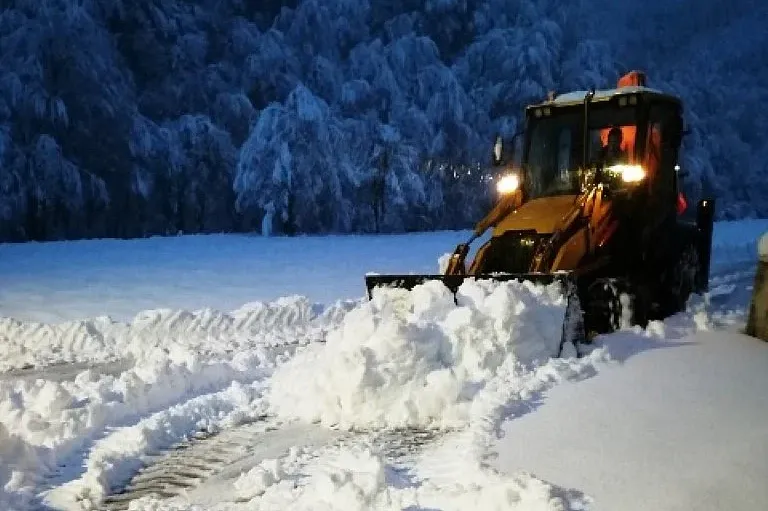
504, 151
498, 151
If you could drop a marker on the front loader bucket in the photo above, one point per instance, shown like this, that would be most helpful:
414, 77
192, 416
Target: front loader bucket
573, 325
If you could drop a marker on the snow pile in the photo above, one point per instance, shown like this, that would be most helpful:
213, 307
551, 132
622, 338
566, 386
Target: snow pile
180, 371
207, 332
348, 480
256, 481
357, 472
18, 466
415, 358
50, 413
54, 420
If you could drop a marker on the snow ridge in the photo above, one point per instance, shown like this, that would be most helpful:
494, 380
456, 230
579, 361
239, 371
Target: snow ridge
207, 362
208, 332
117, 456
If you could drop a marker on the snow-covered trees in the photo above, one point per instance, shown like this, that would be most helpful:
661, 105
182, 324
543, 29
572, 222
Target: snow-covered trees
337, 115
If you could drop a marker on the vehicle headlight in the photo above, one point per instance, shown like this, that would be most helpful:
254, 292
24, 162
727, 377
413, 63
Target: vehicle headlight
628, 173
508, 184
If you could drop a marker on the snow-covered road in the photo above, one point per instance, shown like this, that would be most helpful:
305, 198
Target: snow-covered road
404, 402
369, 385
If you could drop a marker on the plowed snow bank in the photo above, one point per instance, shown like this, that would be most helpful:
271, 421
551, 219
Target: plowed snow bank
415, 358
206, 332
207, 358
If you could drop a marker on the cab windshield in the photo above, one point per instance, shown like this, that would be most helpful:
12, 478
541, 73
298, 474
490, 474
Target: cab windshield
554, 158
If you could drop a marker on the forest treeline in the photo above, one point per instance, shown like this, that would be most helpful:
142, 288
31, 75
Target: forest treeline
134, 118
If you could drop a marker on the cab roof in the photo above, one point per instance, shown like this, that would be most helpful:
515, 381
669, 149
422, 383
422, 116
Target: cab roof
577, 97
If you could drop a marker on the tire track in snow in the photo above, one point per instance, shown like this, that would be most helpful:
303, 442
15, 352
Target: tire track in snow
210, 349
188, 464
67, 371
192, 468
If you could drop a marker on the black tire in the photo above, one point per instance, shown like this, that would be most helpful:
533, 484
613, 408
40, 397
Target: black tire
611, 304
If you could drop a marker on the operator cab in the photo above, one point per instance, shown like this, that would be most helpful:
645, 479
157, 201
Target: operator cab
626, 138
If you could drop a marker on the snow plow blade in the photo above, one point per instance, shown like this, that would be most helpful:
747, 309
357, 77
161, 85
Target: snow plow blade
573, 324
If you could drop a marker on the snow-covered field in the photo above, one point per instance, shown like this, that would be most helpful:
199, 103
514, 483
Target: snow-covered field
53, 282
282, 388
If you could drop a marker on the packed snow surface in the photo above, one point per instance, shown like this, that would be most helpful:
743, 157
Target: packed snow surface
680, 424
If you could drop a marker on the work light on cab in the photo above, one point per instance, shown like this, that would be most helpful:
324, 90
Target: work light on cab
628, 173
508, 184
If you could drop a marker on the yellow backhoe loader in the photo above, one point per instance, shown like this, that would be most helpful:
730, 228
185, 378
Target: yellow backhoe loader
594, 203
